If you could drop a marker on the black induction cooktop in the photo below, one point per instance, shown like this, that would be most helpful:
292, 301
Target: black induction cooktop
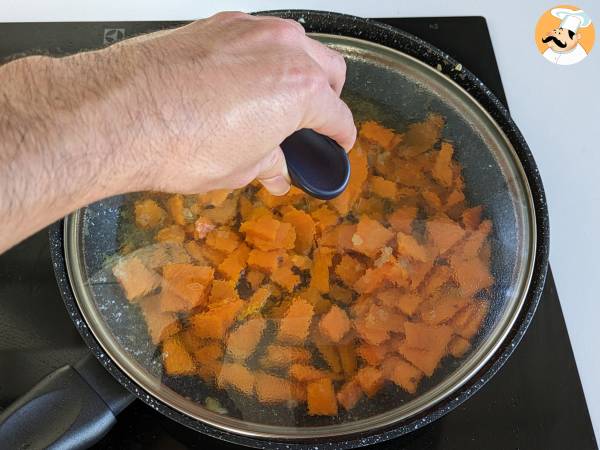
534, 402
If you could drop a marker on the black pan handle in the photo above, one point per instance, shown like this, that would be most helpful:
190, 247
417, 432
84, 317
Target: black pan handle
72, 408
317, 164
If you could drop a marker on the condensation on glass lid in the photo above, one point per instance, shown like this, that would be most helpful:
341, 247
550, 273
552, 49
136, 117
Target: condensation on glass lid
293, 311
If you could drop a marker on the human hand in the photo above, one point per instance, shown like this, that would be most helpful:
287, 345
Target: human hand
214, 99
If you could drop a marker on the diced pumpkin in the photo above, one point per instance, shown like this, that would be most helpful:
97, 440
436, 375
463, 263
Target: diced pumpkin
383, 188
324, 218
474, 241
407, 245
373, 279
236, 376
458, 346
280, 356
321, 398
222, 290
272, 389
349, 394
320, 304
359, 170
213, 198
285, 277
372, 206
160, 324
421, 136
455, 198
405, 302
242, 341
254, 277
185, 286
304, 227
204, 253
427, 337
370, 236
340, 294
224, 213
334, 324
401, 220
375, 132
294, 326
425, 360
299, 392
349, 270
474, 315
444, 232
373, 355
418, 272
273, 201
441, 309
208, 371
370, 380
439, 276
442, 169
377, 324
330, 354
223, 240
339, 237
173, 233
148, 214
304, 373
255, 304
433, 202
471, 217
208, 353
322, 260
265, 261
471, 275
134, 277
176, 359
214, 323
402, 373
301, 262
175, 205
348, 358
234, 263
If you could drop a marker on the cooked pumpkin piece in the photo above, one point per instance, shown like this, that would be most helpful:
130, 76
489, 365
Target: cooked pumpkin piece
370, 236
340, 294
471, 217
324, 218
255, 304
223, 239
322, 260
349, 270
407, 245
175, 205
233, 264
359, 170
444, 232
348, 358
213, 198
402, 374
254, 277
370, 380
265, 261
160, 324
304, 372
280, 356
294, 326
134, 277
321, 398
304, 226
375, 132
242, 341
222, 290
330, 354
401, 220
185, 286
236, 376
334, 324
458, 346
442, 169
474, 317
349, 394
148, 214
373, 355
285, 277
214, 323
383, 188
173, 233
440, 309
472, 275
272, 389
176, 359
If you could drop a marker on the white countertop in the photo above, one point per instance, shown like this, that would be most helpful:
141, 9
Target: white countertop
563, 130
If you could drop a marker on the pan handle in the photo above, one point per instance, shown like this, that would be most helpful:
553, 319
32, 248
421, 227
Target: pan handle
73, 407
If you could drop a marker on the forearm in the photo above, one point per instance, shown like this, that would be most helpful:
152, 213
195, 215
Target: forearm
56, 154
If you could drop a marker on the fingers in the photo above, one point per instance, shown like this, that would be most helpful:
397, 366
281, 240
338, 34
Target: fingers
329, 115
273, 174
330, 61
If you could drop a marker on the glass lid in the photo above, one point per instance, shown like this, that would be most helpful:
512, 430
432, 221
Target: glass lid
290, 317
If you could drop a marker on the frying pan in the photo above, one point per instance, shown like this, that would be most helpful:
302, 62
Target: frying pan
83, 400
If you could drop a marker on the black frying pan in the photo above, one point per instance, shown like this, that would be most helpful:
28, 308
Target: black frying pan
90, 398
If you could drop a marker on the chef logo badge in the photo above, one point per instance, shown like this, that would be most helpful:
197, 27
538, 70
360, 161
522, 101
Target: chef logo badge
565, 35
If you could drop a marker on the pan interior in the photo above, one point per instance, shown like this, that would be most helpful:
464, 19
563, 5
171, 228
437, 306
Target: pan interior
395, 90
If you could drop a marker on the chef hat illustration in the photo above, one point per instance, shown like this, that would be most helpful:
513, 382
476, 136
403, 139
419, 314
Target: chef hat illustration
570, 19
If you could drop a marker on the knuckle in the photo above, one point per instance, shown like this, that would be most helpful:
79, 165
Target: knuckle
283, 30
228, 16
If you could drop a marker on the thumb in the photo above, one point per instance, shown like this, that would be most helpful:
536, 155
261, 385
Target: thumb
273, 174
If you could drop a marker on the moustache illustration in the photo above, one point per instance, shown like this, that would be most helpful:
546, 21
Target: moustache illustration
555, 40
